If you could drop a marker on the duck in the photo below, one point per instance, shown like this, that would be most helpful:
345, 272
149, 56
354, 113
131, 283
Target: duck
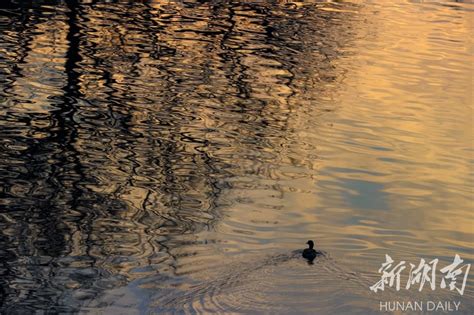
310, 253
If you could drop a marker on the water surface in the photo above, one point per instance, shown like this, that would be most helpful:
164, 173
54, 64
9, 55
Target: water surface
171, 156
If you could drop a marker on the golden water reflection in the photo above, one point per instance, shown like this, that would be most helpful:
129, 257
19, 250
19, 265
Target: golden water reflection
169, 156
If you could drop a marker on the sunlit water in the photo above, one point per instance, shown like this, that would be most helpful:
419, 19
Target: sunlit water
171, 156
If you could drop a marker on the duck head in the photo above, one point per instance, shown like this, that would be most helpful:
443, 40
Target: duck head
310, 244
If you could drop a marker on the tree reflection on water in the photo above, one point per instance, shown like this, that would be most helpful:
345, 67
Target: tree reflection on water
123, 123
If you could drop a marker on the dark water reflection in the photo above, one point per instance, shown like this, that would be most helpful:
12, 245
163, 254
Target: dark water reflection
147, 145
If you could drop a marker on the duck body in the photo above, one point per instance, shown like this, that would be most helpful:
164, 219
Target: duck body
310, 253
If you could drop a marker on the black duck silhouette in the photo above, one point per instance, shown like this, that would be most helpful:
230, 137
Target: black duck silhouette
310, 253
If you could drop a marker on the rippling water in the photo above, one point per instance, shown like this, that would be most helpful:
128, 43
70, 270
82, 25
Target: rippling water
161, 156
